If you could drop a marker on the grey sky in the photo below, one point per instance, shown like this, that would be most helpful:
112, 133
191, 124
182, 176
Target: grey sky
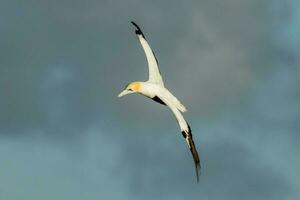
64, 134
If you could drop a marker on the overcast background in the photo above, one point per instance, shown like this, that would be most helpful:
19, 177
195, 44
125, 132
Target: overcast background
64, 134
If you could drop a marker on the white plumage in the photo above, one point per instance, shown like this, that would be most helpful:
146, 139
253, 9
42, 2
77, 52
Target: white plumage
154, 88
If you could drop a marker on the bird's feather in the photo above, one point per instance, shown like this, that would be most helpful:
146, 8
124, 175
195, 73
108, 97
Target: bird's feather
154, 73
185, 130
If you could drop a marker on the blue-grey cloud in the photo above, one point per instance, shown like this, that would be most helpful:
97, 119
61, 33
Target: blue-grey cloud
65, 135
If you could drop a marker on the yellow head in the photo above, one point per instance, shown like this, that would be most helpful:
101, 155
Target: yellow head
131, 88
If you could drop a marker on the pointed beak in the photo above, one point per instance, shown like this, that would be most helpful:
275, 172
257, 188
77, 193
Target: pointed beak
123, 93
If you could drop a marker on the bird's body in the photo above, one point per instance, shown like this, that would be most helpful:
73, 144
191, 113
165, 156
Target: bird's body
154, 88
158, 93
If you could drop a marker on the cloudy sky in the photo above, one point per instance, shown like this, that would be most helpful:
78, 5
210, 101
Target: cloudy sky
64, 134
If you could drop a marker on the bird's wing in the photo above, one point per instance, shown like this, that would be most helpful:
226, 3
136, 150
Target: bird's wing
154, 73
186, 132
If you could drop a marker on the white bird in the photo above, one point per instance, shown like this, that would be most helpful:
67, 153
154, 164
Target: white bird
154, 88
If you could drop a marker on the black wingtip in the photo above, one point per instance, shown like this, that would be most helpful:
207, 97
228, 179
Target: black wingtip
197, 163
198, 171
138, 31
189, 138
134, 24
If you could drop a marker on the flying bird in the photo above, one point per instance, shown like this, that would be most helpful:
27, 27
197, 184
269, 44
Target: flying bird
154, 88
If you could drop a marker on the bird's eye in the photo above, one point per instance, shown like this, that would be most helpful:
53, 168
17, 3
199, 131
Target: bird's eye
129, 89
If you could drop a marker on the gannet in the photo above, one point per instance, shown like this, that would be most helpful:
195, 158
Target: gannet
154, 88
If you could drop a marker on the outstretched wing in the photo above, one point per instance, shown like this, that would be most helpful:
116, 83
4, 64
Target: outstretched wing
189, 139
186, 132
154, 73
